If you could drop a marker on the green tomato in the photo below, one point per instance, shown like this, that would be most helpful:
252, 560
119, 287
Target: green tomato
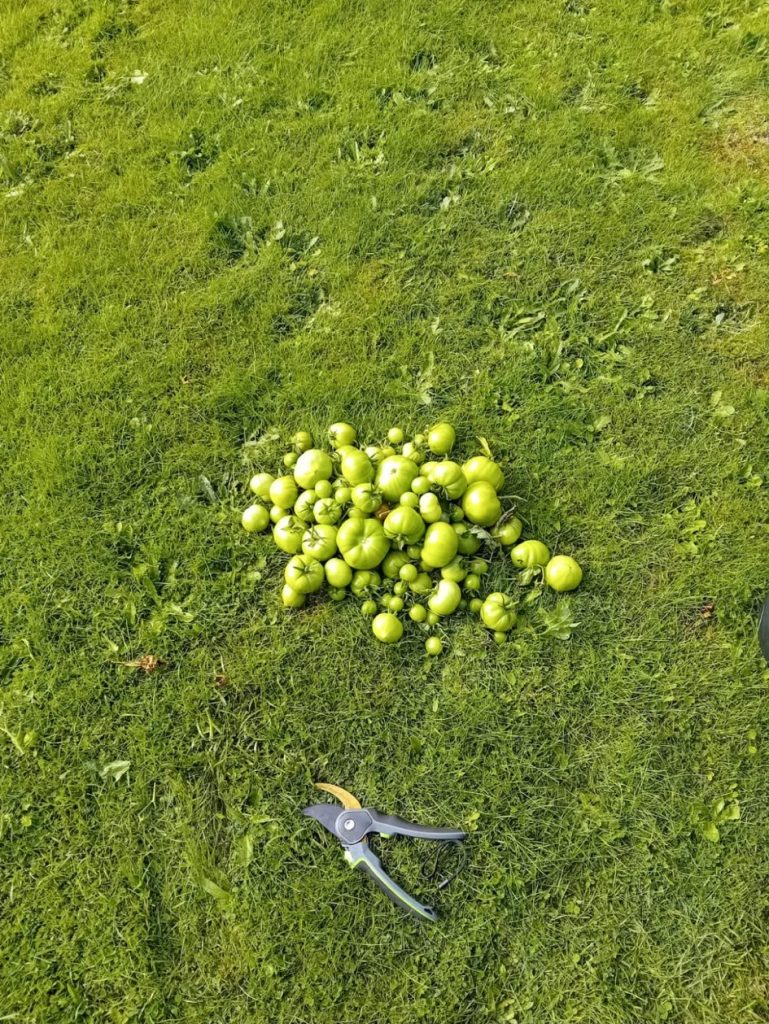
393, 562
481, 504
337, 593
498, 612
395, 435
420, 440
432, 619
255, 519
338, 572
394, 476
508, 533
414, 551
312, 466
430, 507
363, 543
400, 588
530, 554
469, 543
421, 585
290, 460
441, 438
324, 489
456, 514
260, 484
418, 613
413, 452
304, 507
387, 628
440, 545
283, 491
404, 526
472, 581
408, 572
369, 608
342, 494
446, 598
356, 513
434, 645
340, 434
356, 467
396, 603
305, 574
276, 513
420, 485
365, 582
292, 598
455, 570
366, 497
302, 440
479, 566
475, 605
562, 573
500, 637
409, 500
319, 542
377, 454
448, 477
480, 467
326, 510
287, 534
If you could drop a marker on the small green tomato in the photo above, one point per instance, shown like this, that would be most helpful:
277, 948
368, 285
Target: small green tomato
387, 628
396, 604
409, 500
323, 488
276, 513
499, 637
420, 485
292, 598
395, 435
340, 434
255, 519
260, 485
432, 619
562, 573
302, 440
418, 613
290, 460
369, 608
400, 588
475, 605
472, 581
508, 533
441, 438
434, 646
408, 572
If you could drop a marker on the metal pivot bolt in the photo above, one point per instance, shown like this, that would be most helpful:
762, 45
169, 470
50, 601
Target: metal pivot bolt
349, 824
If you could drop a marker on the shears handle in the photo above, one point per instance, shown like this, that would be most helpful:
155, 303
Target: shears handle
360, 855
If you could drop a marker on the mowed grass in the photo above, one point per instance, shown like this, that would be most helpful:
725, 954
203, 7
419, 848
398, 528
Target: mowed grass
545, 222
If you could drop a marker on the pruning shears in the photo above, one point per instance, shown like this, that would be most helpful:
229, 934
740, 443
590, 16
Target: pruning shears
354, 824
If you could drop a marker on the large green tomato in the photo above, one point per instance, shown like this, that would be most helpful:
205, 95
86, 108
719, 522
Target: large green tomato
365, 582
387, 627
356, 467
480, 467
320, 542
287, 534
326, 510
469, 543
305, 505
481, 504
563, 573
404, 526
366, 497
340, 434
305, 574
362, 542
449, 478
338, 572
446, 598
430, 507
292, 598
283, 491
529, 555
393, 562
394, 476
260, 484
312, 466
256, 518
498, 612
441, 438
508, 533
440, 545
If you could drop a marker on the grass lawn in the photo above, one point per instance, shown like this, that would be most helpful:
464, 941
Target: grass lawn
547, 222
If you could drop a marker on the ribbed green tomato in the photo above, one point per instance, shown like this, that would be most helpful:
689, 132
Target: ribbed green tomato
283, 491
430, 507
446, 598
256, 518
393, 562
366, 497
441, 438
326, 510
341, 433
455, 570
387, 627
498, 612
320, 542
312, 466
448, 477
337, 593
302, 440
508, 533
480, 467
338, 572
260, 484
394, 476
440, 545
292, 598
469, 543
529, 555
356, 467
563, 573
362, 542
287, 534
305, 574
404, 526
324, 488
481, 504
304, 507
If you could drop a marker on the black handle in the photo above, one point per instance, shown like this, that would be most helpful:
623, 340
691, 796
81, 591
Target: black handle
360, 855
392, 825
